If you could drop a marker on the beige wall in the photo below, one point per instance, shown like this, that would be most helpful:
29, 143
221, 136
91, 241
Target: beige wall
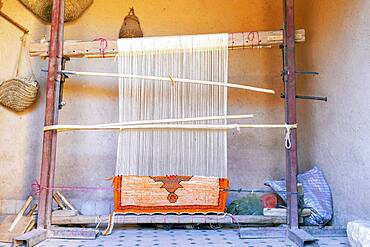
254, 155
335, 135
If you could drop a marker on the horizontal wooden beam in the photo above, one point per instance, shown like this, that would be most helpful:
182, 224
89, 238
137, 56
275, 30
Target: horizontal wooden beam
92, 49
170, 219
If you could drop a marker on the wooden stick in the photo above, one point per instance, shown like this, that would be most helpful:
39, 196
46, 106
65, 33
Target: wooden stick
170, 79
166, 126
65, 201
58, 201
20, 213
8, 18
174, 120
30, 213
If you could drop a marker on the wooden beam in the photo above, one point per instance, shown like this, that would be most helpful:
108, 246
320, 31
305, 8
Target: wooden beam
73, 233
290, 111
170, 219
283, 212
51, 116
91, 49
31, 238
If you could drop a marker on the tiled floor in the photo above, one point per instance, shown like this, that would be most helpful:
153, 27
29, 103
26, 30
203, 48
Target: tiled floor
145, 237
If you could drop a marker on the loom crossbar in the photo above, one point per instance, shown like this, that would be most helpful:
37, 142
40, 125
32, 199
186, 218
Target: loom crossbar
92, 49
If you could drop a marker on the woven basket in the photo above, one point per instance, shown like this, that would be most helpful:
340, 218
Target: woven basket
42, 8
131, 26
18, 93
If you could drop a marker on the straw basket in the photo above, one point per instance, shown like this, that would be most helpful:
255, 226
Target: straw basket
21, 91
18, 93
42, 8
131, 26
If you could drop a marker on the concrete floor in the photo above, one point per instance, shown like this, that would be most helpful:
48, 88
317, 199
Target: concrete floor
145, 237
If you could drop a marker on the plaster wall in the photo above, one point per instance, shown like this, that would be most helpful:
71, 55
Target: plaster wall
85, 159
335, 135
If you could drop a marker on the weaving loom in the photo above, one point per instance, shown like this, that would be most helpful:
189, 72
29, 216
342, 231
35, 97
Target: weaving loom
198, 158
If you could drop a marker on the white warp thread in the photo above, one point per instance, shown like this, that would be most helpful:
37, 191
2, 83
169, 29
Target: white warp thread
178, 152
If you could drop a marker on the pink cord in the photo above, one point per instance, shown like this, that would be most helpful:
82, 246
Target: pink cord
103, 46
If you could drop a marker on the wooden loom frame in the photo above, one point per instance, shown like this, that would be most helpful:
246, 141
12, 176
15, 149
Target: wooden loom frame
55, 55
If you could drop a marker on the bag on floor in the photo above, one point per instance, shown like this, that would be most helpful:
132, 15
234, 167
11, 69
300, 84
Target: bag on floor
317, 195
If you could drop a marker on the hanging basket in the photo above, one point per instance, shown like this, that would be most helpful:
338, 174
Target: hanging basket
18, 93
42, 8
131, 26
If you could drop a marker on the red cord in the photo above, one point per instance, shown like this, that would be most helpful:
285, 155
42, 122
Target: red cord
103, 46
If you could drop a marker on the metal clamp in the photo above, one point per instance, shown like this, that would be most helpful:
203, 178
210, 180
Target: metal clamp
63, 77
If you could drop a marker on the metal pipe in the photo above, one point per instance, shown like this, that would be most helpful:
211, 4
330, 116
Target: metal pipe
290, 111
47, 163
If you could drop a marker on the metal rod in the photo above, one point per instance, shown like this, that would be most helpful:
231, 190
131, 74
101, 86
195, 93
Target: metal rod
290, 111
307, 72
48, 151
308, 97
19, 26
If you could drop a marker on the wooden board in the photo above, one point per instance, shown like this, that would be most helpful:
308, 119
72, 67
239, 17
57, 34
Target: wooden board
77, 48
20, 227
122, 219
31, 238
73, 233
169, 194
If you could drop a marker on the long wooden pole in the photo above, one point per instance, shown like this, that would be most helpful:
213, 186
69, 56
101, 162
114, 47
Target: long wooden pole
290, 112
48, 151
166, 126
169, 79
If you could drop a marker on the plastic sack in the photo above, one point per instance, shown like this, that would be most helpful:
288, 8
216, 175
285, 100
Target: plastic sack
317, 195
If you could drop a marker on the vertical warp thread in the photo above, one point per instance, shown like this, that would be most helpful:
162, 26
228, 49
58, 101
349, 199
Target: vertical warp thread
179, 152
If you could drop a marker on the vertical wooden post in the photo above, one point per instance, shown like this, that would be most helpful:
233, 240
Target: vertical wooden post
290, 112
51, 117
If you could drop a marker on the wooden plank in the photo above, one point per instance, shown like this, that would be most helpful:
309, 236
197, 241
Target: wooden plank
20, 213
58, 201
282, 212
73, 233
170, 219
65, 201
302, 238
327, 231
31, 238
20, 227
65, 213
78, 48
262, 232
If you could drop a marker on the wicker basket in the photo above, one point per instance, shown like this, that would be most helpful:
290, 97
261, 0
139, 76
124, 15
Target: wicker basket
21, 91
42, 8
131, 26
18, 93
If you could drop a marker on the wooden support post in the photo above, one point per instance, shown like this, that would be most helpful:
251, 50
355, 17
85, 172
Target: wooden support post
51, 116
290, 111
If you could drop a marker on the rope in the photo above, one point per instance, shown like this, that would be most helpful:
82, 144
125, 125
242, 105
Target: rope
288, 143
103, 46
251, 38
